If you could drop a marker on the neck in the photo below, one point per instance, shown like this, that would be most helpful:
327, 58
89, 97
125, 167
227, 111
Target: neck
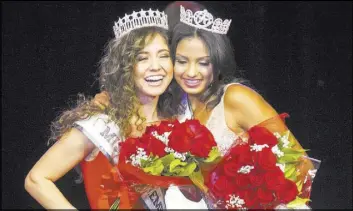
148, 107
195, 103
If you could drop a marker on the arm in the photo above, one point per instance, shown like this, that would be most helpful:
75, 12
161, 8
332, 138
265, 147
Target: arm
102, 99
248, 109
56, 162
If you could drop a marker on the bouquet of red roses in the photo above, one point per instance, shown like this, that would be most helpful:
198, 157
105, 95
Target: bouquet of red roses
171, 153
265, 172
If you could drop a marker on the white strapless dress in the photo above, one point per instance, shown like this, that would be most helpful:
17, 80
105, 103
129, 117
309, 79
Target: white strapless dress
175, 199
224, 137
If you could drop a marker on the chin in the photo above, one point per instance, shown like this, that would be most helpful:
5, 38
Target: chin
154, 92
194, 90
151, 91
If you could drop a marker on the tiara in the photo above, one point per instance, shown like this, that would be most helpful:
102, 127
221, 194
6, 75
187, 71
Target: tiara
204, 20
138, 20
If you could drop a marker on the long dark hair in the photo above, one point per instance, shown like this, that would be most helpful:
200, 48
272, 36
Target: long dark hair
222, 59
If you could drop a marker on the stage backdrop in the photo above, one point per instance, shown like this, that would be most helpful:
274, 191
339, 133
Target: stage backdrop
298, 55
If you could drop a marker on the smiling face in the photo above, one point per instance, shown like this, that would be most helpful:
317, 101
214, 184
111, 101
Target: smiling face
153, 70
193, 69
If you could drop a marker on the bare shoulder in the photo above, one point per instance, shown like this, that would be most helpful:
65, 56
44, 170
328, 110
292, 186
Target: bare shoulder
74, 134
72, 142
251, 108
64, 155
241, 95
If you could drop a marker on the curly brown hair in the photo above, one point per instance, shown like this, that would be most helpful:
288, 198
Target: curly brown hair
116, 77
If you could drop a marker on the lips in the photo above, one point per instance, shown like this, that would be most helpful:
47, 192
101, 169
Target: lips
192, 82
154, 80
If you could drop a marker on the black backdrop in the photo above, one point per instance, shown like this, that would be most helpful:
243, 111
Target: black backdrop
297, 54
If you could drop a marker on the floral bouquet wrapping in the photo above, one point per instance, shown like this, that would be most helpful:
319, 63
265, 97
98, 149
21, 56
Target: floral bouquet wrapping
266, 171
170, 154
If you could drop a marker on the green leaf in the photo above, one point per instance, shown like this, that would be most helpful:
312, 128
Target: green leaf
166, 160
300, 185
188, 170
145, 163
293, 151
155, 168
292, 177
289, 170
213, 155
197, 178
298, 202
290, 156
173, 167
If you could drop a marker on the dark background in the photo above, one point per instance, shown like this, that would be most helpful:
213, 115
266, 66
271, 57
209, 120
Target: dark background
298, 55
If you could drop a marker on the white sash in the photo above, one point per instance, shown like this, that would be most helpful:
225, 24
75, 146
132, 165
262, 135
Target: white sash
104, 134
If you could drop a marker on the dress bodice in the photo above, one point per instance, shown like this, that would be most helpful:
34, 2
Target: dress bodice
216, 123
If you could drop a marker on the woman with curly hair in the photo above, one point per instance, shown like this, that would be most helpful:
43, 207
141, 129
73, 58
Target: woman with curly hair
203, 58
136, 71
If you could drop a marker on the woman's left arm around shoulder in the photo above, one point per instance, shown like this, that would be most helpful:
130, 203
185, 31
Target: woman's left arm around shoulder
246, 106
249, 108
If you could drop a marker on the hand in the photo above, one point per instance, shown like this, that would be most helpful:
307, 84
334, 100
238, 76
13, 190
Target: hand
102, 99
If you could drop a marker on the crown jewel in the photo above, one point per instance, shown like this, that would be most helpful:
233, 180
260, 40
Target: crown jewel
138, 20
204, 20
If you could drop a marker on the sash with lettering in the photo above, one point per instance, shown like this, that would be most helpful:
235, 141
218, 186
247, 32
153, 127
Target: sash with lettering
104, 134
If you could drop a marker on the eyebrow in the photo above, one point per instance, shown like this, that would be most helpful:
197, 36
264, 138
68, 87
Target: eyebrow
146, 52
184, 57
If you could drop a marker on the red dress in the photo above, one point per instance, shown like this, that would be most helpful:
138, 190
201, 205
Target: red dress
100, 186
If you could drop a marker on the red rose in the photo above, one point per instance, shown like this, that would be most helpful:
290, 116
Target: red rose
203, 140
194, 125
287, 192
265, 159
260, 136
242, 181
231, 168
191, 136
180, 138
274, 179
129, 147
256, 178
264, 196
153, 145
164, 126
202, 143
150, 129
221, 188
250, 199
241, 154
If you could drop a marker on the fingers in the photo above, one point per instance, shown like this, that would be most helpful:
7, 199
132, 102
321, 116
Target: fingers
101, 100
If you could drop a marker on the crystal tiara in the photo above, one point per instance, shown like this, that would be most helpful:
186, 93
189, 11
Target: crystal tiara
140, 19
204, 20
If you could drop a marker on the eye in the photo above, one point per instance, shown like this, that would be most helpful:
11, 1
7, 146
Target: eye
205, 63
180, 61
165, 56
141, 58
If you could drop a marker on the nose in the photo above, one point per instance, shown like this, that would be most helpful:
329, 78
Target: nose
191, 71
155, 65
